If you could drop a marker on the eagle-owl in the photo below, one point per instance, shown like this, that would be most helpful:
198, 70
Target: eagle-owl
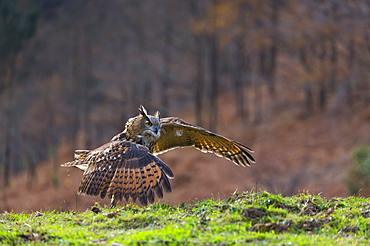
127, 166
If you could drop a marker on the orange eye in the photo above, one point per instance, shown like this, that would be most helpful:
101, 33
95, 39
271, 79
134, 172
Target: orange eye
148, 123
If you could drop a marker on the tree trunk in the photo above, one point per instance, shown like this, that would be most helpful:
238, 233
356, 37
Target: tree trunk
333, 65
242, 66
213, 67
81, 78
322, 96
86, 92
308, 95
307, 88
7, 161
322, 99
166, 80
199, 89
273, 49
351, 52
258, 86
31, 167
350, 61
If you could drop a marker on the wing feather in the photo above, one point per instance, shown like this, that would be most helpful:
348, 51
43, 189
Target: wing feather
177, 133
124, 187
122, 169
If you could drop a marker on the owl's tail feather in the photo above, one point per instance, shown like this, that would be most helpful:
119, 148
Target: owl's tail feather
76, 164
69, 164
81, 154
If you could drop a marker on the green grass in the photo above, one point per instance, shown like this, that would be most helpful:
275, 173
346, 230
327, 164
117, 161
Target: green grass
259, 218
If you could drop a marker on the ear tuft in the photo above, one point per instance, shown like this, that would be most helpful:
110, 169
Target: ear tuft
157, 114
142, 111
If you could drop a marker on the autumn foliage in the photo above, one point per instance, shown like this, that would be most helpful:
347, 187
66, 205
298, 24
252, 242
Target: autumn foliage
72, 72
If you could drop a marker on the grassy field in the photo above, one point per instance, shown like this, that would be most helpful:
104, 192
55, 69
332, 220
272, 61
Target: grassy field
259, 218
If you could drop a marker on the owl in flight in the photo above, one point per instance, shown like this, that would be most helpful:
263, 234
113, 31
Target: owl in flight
128, 165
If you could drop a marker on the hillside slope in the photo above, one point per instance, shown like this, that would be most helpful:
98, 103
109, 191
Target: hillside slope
293, 155
259, 218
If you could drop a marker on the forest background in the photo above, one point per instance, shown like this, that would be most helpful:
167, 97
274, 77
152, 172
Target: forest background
288, 78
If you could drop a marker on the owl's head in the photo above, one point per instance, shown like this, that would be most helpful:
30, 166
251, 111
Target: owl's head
144, 126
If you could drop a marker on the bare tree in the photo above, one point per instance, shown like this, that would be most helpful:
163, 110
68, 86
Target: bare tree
199, 56
214, 81
242, 66
166, 52
273, 48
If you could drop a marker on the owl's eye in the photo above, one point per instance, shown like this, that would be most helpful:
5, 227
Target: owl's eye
148, 123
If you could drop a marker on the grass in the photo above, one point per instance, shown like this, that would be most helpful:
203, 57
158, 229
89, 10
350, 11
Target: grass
259, 218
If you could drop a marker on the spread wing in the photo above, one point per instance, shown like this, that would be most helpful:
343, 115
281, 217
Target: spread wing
177, 133
122, 169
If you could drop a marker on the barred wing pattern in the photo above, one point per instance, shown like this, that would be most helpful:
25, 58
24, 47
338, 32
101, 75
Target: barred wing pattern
122, 169
178, 133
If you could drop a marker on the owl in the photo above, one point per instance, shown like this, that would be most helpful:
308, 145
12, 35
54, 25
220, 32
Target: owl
128, 165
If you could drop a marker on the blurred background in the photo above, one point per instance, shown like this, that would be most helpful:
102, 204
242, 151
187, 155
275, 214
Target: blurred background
289, 79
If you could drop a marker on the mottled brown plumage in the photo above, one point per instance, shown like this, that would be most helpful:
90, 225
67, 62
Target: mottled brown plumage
177, 133
127, 166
